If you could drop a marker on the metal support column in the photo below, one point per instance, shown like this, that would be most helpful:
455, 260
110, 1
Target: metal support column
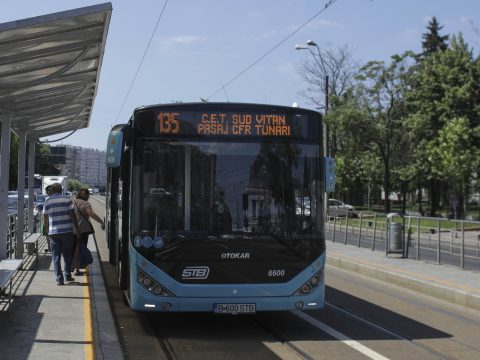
325, 145
31, 169
22, 151
4, 174
188, 187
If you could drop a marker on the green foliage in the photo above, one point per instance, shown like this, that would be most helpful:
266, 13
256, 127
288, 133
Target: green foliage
42, 161
432, 40
444, 116
412, 122
73, 184
453, 156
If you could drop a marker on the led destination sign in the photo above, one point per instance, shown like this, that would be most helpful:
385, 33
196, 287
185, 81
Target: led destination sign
224, 123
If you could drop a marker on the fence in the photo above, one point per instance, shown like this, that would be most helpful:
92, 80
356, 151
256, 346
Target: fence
444, 241
12, 234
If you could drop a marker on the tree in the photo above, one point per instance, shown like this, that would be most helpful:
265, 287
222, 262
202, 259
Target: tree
42, 160
432, 40
455, 158
355, 166
445, 88
380, 93
337, 65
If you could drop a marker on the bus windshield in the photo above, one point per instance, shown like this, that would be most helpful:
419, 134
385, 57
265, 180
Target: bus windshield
266, 194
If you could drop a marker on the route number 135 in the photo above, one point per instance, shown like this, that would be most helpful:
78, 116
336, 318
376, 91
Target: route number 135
168, 123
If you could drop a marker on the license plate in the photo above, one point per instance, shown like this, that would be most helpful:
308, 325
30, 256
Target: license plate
234, 308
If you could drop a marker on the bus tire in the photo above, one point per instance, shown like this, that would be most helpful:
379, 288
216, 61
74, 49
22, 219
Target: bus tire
122, 269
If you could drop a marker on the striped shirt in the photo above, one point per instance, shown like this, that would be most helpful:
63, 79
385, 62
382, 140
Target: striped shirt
58, 208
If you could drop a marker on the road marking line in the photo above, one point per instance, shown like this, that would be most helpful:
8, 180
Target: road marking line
87, 315
342, 337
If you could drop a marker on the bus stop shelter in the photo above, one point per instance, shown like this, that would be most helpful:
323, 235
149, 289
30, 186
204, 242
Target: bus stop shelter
49, 73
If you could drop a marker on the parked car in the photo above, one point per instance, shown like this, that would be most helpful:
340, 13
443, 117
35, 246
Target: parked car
13, 204
338, 208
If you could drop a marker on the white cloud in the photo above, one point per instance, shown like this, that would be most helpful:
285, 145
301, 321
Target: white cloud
286, 67
263, 36
180, 40
321, 23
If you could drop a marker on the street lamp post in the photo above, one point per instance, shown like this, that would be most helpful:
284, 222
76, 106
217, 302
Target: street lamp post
321, 65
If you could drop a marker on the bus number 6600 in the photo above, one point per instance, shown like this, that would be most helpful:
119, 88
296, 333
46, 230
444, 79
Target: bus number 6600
276, 273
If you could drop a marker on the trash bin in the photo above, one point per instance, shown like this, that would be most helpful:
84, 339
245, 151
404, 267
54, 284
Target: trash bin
395, 233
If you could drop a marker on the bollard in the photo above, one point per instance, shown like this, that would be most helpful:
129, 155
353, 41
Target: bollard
462, 247
439, 243
334, 226
360, 231
418, 238
346, 230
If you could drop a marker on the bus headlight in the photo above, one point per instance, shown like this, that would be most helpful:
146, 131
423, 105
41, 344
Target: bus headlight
151, 285
311, 284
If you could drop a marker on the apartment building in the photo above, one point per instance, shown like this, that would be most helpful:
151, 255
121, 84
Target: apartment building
84, 164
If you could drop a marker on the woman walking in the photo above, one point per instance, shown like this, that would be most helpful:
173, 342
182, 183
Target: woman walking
83, 213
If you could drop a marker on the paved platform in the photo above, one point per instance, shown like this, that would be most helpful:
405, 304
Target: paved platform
46, 321
445, 282
49, 322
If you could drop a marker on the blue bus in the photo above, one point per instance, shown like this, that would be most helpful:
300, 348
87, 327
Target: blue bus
217, 207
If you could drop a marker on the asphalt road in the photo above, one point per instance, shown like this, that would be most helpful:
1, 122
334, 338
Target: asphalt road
363, 319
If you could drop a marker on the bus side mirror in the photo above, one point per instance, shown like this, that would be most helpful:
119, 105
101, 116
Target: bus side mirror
114, 148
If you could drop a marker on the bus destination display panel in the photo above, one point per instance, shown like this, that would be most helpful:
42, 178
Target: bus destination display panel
211, 123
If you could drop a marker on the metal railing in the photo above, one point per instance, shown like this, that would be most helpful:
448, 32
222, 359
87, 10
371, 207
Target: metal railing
12, 227
440, 240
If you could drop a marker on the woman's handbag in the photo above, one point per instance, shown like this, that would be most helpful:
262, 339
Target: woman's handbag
91, 231
82, 257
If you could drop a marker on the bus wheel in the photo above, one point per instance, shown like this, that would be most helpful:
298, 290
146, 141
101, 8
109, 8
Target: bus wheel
123, 280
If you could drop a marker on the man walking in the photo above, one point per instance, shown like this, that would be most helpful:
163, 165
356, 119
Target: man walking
59, 220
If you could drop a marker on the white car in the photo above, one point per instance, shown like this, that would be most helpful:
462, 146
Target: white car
337, 208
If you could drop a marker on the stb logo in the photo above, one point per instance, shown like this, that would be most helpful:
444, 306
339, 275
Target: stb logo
195, 272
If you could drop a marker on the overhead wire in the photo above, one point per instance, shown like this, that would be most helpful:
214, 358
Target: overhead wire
327, 5
141, 61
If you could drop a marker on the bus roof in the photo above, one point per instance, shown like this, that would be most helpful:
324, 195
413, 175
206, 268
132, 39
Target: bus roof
208, 105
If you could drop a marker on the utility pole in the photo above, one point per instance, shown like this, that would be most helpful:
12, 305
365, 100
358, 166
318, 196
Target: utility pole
325, 144
321, 65
325, 129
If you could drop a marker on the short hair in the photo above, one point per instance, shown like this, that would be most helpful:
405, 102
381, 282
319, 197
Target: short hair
56, 188
83, 194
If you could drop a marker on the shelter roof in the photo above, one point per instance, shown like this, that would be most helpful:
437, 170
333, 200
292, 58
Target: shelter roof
50, 69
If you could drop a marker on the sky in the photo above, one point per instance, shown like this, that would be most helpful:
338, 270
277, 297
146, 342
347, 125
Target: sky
200, 45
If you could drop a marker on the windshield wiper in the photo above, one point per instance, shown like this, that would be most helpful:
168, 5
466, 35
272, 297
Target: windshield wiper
172, 250
291, 248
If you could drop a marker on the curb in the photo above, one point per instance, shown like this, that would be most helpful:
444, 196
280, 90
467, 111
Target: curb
423, 286
107, 344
